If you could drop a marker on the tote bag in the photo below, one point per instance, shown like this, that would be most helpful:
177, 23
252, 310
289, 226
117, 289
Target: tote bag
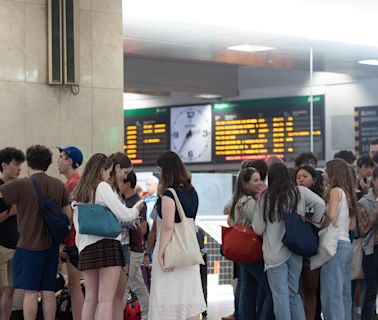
301, 236
241, 244
328, 239
183, 249
357, 271
97, 220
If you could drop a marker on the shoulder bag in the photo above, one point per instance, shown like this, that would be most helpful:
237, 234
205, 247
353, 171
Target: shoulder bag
183, 249
328, 239
301, 236
97, 220
241, 244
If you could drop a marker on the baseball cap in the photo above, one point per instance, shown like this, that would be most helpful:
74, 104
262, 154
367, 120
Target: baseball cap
73, 153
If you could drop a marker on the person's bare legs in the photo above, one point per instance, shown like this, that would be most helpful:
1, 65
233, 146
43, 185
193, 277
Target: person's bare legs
119, 294
48, 305
108, 280
30, 305
91, 280
6, 296
74, 287
309, 285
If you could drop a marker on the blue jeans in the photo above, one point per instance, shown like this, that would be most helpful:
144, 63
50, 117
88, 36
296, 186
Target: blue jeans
284, 284
335, 284
370, 265
237, 290
253, 277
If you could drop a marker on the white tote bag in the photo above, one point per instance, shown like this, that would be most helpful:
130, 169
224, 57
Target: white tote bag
357, 271
183, 250
328, 238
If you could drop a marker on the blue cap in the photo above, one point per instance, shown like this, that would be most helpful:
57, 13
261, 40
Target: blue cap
74, 154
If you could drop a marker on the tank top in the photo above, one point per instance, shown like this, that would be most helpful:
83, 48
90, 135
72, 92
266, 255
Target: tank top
343, 219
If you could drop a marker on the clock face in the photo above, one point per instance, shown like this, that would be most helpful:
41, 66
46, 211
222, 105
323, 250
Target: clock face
191, 133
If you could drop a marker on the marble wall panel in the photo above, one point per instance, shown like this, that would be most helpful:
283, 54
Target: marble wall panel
107, 50
76, 120
107, 121
85, 4
85, 48
12, 41
36, 43
42, 115
112, 6
42, 2
13, 115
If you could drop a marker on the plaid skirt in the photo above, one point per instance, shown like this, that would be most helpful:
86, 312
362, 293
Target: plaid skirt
102, 254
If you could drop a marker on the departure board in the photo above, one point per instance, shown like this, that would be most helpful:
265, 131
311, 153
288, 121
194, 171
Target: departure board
366, 127
256, 129
146, 134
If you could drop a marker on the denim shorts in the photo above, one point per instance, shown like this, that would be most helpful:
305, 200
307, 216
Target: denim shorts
35, 270
126, 253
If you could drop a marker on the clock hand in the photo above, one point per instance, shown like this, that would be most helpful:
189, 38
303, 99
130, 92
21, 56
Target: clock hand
188, 135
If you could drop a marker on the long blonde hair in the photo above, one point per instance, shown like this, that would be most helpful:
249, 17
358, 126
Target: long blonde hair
340, 176
91, 177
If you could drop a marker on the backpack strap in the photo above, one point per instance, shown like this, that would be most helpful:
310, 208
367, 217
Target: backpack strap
36, 187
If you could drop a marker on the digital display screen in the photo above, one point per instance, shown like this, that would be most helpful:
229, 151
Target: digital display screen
228, 131
256, 129
366, 127
146, 134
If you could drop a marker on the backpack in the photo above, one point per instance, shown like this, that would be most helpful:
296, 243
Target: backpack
56, 219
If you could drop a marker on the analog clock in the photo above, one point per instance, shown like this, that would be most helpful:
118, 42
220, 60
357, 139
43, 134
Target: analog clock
191, 133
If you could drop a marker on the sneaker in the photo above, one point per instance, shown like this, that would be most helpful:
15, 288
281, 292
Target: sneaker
230, 317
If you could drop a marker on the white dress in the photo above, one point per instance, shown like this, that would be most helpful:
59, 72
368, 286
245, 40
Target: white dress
174, 295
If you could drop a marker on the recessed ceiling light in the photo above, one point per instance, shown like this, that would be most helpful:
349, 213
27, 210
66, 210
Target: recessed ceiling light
209, 96
371, 62
250, 48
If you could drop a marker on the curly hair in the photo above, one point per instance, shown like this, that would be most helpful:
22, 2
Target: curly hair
9, 154
38, 157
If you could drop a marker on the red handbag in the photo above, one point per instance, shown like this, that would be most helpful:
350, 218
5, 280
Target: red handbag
241, 244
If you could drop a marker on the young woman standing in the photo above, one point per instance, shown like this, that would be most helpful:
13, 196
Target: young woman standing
283, 267
176, 293
335, 274
368, 229
100, 259
252, 275
308, 177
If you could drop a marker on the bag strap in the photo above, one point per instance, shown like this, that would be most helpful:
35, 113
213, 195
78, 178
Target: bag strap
241, 211
178, 204
36, 187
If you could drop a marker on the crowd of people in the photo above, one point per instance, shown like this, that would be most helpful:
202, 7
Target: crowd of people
283, 285
107, 267
342, 197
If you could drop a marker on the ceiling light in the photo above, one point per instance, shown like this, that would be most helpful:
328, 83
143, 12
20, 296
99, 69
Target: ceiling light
250, 48
209, 96
371, 62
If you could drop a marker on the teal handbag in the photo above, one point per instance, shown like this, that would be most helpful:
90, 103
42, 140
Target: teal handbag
97, 220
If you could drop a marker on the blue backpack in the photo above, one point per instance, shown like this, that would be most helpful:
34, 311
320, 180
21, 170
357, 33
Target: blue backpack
56, 219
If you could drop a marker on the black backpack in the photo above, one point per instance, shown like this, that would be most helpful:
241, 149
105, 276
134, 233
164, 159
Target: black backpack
56, 219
